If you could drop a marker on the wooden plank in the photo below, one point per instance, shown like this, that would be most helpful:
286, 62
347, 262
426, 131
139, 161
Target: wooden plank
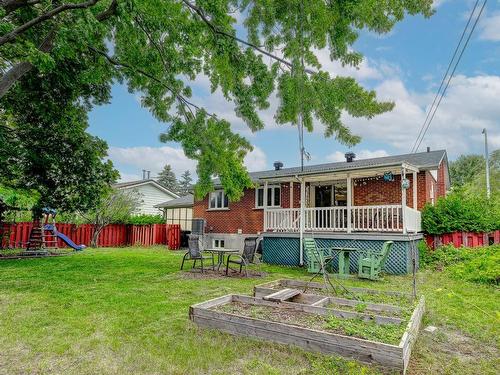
282, 295
309, 339
322, 302
323, 311
411, 333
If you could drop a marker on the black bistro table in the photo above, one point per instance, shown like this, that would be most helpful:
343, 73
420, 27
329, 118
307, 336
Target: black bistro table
220, 254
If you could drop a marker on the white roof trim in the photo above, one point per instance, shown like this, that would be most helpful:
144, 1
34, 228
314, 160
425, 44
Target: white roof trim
154, 183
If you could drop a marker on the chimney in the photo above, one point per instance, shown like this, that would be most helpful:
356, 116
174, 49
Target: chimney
143, 174
278, 165
428, 149
149, 174
349, 156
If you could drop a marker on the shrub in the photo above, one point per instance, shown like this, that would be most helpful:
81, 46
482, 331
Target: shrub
146, 219
461, 212
478, 264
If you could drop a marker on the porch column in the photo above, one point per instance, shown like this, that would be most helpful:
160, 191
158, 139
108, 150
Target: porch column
265, 206
403, 199
415, 201
349, 202
291, 194
301, 232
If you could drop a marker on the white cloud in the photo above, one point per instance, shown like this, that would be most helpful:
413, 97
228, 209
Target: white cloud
361, 154
490, 28
256, 160
471, 103
150, 158
155, 158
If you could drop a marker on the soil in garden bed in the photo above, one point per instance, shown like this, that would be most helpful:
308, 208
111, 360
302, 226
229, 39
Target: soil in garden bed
389, 334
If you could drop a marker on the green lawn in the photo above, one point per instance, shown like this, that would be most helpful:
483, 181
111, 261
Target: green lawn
116, 311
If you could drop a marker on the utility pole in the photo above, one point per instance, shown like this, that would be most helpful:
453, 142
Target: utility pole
486, 156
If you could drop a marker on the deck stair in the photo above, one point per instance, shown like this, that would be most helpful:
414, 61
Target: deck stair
282, 295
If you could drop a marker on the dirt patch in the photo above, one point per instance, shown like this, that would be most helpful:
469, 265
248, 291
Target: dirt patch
210, 274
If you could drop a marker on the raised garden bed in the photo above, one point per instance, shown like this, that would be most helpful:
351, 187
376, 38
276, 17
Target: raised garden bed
374, 333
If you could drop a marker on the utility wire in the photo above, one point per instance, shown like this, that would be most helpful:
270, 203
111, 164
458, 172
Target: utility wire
434, 107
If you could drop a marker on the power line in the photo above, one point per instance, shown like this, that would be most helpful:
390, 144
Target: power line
434, 106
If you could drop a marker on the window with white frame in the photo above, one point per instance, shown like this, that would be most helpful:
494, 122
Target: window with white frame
218, 243
273, 197
218, 200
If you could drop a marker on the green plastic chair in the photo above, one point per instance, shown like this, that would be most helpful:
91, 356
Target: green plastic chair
371, 263
316, 259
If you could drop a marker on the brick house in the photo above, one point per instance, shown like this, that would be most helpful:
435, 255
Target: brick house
356, 202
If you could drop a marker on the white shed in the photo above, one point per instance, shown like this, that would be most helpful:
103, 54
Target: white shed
152, 193
179, 211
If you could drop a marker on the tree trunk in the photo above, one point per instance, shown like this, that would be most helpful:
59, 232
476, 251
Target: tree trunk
95, 236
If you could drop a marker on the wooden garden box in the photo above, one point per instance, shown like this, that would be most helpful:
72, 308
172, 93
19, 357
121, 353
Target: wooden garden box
387, 355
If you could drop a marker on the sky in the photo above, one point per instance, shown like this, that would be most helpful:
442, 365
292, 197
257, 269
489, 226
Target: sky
405, 66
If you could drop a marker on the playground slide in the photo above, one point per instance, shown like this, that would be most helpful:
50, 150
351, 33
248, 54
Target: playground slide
64, 238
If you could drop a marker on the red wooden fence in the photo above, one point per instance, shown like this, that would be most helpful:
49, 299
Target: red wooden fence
458, 239
113, 235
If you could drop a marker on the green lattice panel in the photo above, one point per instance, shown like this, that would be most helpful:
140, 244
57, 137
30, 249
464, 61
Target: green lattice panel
285, 251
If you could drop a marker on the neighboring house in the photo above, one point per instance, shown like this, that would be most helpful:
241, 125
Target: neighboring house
152, 193
178, 211
356, 203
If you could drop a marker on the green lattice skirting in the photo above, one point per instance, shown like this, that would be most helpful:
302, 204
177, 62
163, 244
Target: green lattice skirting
285, 251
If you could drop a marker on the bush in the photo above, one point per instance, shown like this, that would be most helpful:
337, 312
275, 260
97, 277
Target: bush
459, 212
478, 264
146, 220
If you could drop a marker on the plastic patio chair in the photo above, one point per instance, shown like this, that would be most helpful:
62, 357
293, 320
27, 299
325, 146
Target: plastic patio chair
194, 253
371, 263
316, 259
245, 258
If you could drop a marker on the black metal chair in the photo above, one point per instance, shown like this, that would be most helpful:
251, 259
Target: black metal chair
194, 253
245, 258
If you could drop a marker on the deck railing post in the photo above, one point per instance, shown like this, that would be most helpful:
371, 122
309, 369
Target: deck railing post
301, 235
403, 199
415, 190
265, 206
349, 202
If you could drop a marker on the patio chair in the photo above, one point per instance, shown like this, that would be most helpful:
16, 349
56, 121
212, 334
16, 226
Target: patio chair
316, 259
371, 263
245, 258
194, 253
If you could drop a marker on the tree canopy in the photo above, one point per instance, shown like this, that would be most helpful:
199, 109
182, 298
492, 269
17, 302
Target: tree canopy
185, 183
159, 46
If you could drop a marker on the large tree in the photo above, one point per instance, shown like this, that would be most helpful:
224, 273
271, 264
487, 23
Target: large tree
167, 178
185, 183
158, 46
45, 144
464, 169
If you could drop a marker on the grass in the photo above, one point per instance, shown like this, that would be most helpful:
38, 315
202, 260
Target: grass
115, 311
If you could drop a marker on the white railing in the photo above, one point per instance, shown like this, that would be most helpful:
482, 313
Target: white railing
282, 219
325, 218
413, 220
384, 218
387, 218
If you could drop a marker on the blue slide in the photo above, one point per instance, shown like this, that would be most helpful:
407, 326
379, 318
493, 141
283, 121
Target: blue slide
66, 239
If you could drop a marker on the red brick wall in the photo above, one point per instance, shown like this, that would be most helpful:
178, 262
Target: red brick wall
441, 181
375, 192
241, 215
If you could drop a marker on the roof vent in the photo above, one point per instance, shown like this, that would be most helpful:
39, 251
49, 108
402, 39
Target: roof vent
428, 149
278, 165
349, 156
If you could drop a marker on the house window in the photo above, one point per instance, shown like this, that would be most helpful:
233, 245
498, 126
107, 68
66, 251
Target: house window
273, 197
218, 200
218, 243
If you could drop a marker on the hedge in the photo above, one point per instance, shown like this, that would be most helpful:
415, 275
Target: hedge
459, 212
